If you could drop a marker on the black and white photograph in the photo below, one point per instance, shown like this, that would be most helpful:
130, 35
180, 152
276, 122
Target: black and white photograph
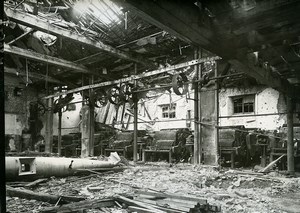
150, 106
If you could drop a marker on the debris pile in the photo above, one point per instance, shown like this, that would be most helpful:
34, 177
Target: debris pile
169, 188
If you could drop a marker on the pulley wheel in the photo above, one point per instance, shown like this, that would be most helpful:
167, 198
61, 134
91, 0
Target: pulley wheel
179, 84
114, 95
126, 92
100, 98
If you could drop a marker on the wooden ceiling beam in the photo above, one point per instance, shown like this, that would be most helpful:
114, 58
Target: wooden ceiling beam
44, 26
44, 58
95, 57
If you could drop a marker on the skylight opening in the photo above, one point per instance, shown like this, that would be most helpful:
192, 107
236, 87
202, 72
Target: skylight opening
104, 10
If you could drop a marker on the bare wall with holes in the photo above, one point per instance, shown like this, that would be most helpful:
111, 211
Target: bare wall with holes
250, 102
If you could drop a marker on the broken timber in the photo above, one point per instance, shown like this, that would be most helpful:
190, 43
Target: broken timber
28, 194
136, 77
80, 206
44, 26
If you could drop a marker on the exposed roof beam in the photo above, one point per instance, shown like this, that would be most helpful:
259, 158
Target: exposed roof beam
264, 76
136, 77
95, 57
44, 58
182, 19
38, 76
42, 25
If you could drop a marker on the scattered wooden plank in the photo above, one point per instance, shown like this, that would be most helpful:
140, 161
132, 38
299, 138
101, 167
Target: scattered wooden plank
139, 209
28, 194
270, 165
137, 203
80, 206
154, 204
95, 188
174, 205
171, 195
36, 182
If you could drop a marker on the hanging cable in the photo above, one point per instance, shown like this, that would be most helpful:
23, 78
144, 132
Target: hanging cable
27, 79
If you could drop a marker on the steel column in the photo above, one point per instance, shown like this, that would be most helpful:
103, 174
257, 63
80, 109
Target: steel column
135, 112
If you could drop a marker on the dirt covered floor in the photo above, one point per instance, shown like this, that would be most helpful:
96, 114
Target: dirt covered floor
232, 190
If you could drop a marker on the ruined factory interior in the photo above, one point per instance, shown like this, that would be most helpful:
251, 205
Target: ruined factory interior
150, 106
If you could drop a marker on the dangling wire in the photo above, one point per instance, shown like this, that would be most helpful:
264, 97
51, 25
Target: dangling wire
27, 79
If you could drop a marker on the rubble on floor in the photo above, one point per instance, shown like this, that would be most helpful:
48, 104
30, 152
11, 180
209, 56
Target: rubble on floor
142, 187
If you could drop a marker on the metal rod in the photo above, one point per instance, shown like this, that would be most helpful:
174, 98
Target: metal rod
135, 112
290, 138
170, 85
254, 115
200, 141
59, 129
21, 36
152, 88
223, 76
136, 77
196, 112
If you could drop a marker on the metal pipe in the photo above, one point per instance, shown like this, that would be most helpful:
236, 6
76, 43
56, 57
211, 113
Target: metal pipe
290, 138
135, 111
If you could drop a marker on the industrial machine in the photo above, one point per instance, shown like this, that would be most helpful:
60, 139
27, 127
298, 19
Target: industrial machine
122, 143
232, 144
168, 142
246, 147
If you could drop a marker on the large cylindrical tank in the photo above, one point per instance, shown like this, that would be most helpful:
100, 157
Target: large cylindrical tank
36, 167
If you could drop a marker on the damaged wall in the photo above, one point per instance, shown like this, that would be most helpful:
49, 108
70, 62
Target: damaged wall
266, 101
17, 99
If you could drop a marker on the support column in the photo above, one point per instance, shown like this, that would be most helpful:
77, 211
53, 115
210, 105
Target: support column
59, 133
290, 137
59, 129
135, 122
49, 126
85, 125
91, 118
217, 72
196, 113
85, 133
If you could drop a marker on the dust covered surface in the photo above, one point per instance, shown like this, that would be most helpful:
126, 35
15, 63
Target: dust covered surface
232, 190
